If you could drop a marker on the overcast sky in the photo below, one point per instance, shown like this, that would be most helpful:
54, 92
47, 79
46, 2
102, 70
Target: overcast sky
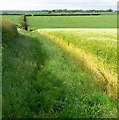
57, 4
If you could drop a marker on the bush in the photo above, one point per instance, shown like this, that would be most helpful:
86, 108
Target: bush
23, 25
9, 31
23, 22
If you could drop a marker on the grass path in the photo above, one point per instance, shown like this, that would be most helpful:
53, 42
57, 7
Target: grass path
41, 81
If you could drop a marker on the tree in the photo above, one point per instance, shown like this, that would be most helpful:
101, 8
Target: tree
110, 10
49, 12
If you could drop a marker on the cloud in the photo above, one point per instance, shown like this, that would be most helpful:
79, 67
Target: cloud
57, 4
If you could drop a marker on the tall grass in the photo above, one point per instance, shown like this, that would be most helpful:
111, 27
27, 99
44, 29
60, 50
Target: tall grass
9, 31
14, 18
101, 43
40, 80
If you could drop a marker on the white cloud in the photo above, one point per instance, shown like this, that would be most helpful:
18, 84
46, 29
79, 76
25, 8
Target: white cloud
57, 4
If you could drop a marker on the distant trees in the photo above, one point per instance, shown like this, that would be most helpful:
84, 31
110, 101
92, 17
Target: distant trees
5, 13
56, 11
76, 10
49, 12
110, 10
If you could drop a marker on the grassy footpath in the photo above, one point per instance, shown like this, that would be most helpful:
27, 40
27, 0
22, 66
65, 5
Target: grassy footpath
42, 81
107, 21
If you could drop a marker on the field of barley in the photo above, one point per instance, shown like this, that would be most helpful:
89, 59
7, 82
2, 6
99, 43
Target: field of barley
66, 67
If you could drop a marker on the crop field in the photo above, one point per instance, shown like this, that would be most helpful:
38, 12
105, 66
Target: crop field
37, 22
102, 43
66, 72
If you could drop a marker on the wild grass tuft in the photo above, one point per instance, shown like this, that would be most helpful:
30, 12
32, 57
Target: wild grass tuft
9, 31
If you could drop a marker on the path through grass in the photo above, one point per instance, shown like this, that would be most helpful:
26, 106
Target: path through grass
40, 80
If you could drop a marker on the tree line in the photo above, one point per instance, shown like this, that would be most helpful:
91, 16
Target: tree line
59, 10
77, 10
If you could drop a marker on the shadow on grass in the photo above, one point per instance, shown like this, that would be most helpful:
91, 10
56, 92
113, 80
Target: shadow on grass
28, 88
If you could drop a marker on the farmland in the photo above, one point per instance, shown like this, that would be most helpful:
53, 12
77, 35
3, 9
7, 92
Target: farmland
53, 73
102, 43
36, 22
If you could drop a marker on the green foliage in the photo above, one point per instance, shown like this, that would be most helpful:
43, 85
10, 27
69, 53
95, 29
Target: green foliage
40, 80
106, 21
23, 22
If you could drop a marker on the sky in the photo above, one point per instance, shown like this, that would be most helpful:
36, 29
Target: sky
57, 4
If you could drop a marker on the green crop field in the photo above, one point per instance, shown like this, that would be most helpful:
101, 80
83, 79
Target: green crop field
101, 43
36, 22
